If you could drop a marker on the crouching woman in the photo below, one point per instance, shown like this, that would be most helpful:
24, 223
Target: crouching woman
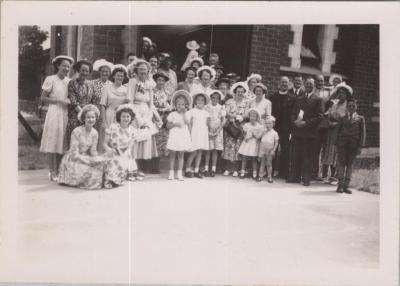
118, 145
81, 166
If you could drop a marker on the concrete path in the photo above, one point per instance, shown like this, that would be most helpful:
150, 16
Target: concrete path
220, 230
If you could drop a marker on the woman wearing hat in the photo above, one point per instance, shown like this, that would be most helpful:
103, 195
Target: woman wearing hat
190, 74
55, 94
165, 67
192, 46
335, 79
196, 63
113, 95
252, 80
223, 85
260, 103
103, 68
140, 94
81, 166
161, 103
236, 109
80, 93
206, 75
340, 95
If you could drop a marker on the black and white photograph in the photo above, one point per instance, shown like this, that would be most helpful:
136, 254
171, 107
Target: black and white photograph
206, 153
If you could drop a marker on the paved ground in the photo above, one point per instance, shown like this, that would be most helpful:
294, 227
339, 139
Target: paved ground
211, 231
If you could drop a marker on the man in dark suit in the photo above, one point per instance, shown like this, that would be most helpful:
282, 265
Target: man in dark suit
349, 141
305, 117
282, 105
297, 89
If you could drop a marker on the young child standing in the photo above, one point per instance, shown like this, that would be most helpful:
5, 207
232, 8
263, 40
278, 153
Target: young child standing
179, 140
350, 140
250, 144
199, 128
216, 141
268, 145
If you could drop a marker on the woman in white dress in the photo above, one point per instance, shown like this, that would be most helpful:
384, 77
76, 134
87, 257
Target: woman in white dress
55, 94
260, 103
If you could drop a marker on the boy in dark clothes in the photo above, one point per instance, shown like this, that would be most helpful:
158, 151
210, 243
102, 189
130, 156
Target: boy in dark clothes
349, 141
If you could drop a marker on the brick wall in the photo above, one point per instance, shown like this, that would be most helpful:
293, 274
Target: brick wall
268, 51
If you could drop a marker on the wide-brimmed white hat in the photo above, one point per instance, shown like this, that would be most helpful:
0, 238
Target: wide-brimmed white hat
138, 62
221, 95
147, 39
207, 98
260, 84
342, 85
242, 84
207, 68
184, 94
192, 45
197, 59
254, 75
71, 60
332, 77
97, 65
87, 108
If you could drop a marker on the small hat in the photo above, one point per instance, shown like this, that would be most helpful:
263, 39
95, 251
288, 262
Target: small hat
78, 64
71, 60
270, 118
254, 75
242, 84
254, 110
97, 65
342, 85
141, 61
207, 68
332, 77
197, 59
216, 91
192, 45
87, 108
262, 86
223, 79
181, 93
147, 39
119, 66
160, 74
206, 97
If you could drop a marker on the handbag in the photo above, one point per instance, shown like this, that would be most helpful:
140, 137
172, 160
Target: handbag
233, 131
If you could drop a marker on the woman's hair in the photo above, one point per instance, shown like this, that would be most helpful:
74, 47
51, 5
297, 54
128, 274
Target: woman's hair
126, 110
257, 86
77, 66
119, 70
202, 71
87, 108
349, 96
57, 64
190, 69
239, 86
163, 63
197, 98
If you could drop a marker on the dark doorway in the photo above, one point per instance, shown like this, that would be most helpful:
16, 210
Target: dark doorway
230, 42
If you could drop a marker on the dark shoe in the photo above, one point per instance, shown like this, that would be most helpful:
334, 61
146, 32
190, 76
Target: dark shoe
346, 190
198, 175
212, 174
189, 174
259, 179
339, 189
270, 180
206, 173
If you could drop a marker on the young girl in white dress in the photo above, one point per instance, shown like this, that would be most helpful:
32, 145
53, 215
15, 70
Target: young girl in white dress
216, 139
250, 144
179, 140
268, 145
199, 127
55, 94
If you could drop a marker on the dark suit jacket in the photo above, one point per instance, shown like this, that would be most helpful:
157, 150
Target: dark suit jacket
282, 105
351, 131
300, 92
312, 109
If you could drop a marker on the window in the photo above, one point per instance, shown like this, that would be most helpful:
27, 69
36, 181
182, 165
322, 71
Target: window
310, 54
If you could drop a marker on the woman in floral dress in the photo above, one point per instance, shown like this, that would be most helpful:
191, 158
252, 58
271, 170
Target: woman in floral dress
80, 93
55, 93
81, 166
103, 68
118, 143
140, 95
236, 108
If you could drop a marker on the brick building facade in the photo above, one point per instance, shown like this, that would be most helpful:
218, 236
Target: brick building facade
270, 50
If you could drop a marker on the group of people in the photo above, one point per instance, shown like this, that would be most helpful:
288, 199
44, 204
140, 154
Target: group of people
101, 132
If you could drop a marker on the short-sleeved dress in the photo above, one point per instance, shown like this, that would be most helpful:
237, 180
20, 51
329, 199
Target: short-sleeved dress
73, 171
250, 147
199, 130
55, 124
217, 113
267, 142
80, 93
179, 137
264, 107
111, 98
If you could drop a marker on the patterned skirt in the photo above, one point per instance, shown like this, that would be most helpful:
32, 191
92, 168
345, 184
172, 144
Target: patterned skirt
231, 147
